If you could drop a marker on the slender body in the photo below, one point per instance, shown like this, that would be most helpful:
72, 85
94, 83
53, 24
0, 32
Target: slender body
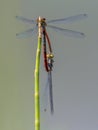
45, 51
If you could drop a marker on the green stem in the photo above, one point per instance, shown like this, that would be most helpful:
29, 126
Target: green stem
37, 94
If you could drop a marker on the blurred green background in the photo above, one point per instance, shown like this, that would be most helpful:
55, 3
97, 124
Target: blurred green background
75, 76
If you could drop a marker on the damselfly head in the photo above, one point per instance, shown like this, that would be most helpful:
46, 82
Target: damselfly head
42, 21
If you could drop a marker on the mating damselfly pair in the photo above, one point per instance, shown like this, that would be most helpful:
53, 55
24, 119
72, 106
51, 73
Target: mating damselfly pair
48, 56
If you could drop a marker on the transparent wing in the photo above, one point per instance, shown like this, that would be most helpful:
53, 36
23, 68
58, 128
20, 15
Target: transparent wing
69, 19
67, 32
46, 95
27, 33
25, 20
50, 92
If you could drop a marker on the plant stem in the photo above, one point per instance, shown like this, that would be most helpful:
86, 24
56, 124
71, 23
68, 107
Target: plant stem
37, 92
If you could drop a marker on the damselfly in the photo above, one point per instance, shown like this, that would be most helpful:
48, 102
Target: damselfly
48, 56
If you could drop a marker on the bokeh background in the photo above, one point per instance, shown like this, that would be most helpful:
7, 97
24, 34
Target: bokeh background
75, 75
